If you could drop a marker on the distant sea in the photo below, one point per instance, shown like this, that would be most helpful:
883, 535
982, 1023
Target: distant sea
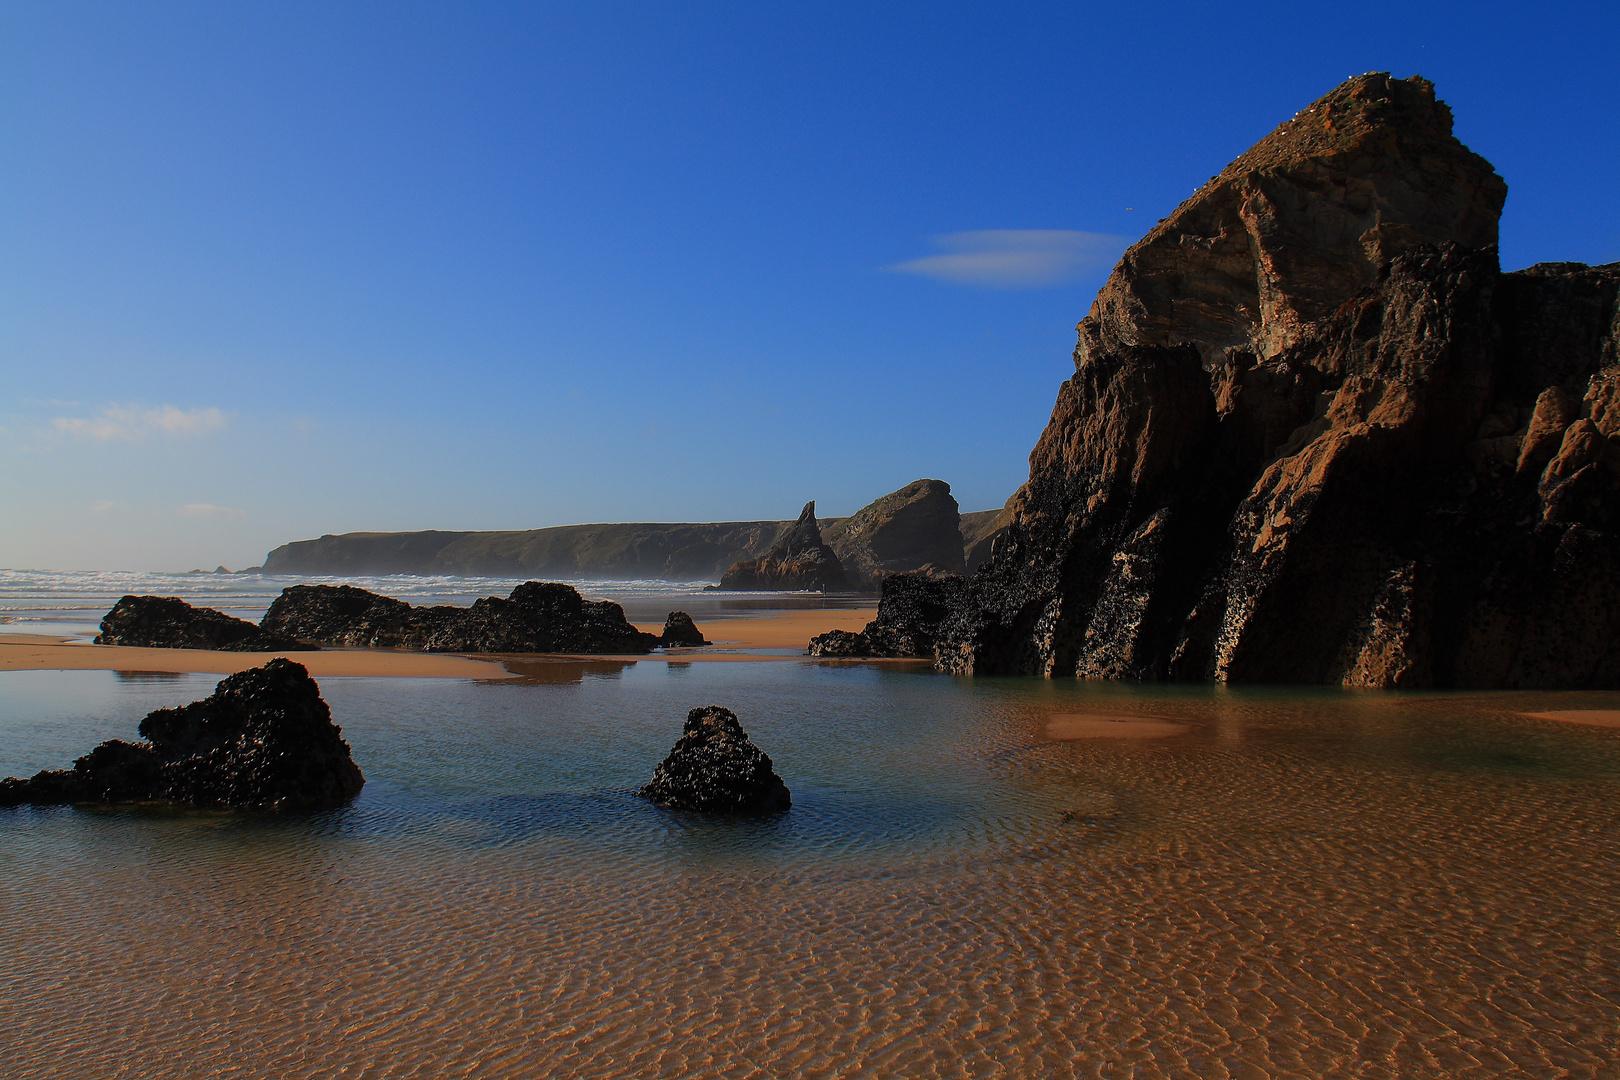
72, 603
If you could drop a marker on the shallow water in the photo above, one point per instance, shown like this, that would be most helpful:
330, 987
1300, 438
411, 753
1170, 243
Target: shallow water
1308, 883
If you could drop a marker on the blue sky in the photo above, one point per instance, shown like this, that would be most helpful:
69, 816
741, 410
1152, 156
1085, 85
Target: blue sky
274, 270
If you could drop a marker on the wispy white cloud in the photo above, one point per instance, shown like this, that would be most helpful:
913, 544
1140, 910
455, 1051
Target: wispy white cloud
107, 506
209, 510
128, 423
1016, 258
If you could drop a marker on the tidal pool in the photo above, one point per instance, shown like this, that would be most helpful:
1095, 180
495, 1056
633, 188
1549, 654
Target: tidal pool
1299, 883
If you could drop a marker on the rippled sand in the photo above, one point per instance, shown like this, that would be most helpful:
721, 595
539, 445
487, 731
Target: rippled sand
1300, 885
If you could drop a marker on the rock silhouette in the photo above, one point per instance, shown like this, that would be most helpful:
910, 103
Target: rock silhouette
681, 632
539, 616
168, 622
798, 562
264, 740
716, 768
1315, 435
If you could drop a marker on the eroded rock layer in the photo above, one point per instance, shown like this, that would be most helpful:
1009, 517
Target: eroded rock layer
1315, 435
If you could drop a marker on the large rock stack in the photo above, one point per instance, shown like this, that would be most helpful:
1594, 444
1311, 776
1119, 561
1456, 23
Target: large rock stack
916, 527
798, 562
1315, 435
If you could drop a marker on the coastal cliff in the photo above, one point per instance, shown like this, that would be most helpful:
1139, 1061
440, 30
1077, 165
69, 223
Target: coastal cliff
904, 530
1315, 435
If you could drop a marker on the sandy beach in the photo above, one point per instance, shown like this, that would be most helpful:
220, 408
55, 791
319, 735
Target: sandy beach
1606, 718
791, 629
775, 630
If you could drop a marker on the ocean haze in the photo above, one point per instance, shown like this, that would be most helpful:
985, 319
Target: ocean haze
272, 273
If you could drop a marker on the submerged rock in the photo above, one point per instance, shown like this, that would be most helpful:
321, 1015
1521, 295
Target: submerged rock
264, 740
797, 562
715, 767
909, 617
539, 616
168, 622
1315, 435
681, 632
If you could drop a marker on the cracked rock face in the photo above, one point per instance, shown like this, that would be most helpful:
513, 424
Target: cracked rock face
1316, 435
264, 740
716, 768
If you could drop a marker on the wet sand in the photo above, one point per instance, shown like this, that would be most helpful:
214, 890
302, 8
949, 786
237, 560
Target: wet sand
1084, 726
1606, 718
31, 652
775, 630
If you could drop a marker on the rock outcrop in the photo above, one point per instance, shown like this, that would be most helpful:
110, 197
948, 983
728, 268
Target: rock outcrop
716, 768
264, 740
909, 616
1315, 435
681, 632
538, 617
979, 532
168, 622
797, 562
905, 530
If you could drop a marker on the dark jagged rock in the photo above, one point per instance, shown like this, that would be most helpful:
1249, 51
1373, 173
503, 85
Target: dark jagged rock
264, 740
716, 768
338, 615
905, 530
681, 632
1315, 435
168, 622
539, 616
908, 620
797, 562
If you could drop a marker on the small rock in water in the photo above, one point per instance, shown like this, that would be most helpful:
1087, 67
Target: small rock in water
681, 631
715, 767
264, 740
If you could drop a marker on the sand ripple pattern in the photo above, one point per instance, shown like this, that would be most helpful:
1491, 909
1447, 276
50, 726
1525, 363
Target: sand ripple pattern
1304, 885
